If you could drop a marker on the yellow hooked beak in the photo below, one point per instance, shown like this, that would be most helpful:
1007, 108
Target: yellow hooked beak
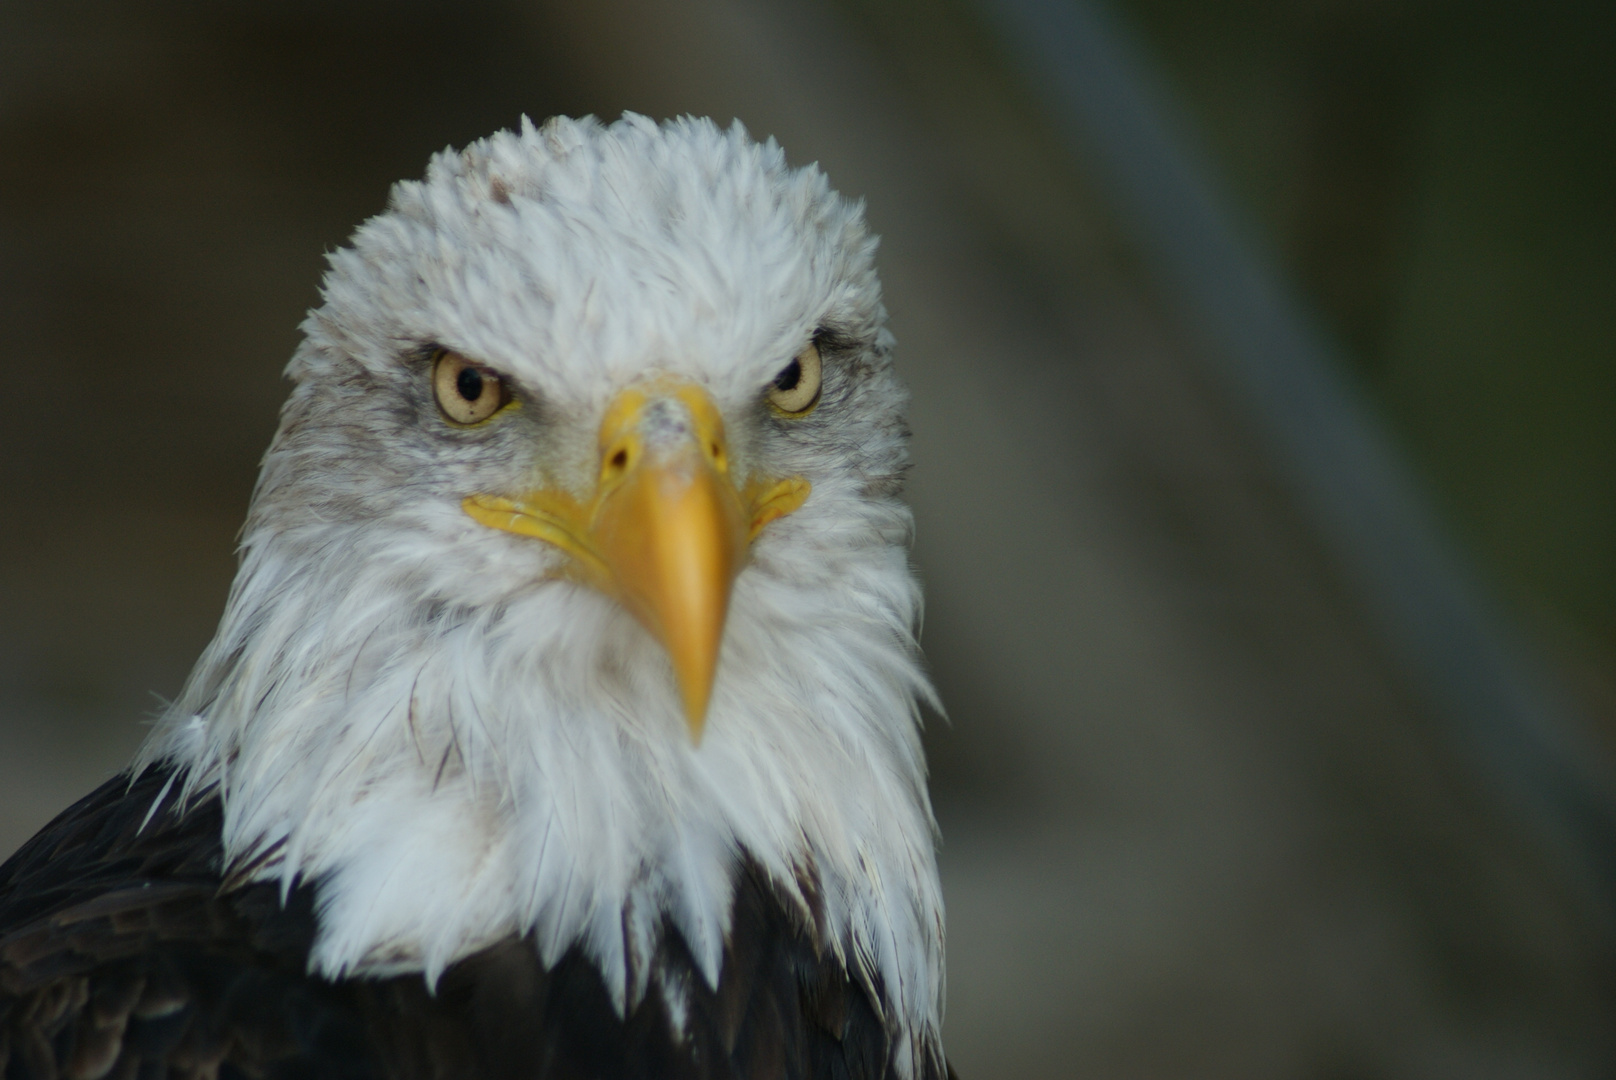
666, 529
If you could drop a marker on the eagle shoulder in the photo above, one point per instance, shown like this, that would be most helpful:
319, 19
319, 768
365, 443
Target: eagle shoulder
121, 956
125, 952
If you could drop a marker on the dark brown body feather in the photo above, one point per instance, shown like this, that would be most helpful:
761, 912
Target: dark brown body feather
123, 954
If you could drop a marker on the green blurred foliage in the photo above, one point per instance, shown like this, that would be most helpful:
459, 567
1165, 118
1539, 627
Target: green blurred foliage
1440, 180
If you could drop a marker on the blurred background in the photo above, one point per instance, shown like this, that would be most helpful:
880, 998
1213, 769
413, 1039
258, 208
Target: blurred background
1282, 713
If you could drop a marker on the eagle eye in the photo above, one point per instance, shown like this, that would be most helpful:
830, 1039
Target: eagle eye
795, 391
467, 394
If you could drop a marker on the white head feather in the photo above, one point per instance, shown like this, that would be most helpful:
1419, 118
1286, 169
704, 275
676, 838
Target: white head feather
405, 706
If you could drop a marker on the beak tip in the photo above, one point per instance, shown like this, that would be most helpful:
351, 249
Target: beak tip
696, 719
694, 672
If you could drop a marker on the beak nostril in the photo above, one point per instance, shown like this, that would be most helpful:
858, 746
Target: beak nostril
616, 464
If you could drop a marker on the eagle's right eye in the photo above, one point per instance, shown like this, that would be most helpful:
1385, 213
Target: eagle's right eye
467, 394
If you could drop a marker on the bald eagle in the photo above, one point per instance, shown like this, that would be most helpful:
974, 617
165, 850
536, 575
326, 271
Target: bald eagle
562, 720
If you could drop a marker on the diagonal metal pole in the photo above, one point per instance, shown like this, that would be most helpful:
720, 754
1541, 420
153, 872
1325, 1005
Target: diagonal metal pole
1501, 706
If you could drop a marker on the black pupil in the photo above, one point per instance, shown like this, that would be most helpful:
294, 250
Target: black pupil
470, 383
790, 377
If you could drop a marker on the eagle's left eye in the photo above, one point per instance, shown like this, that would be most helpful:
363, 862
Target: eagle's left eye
795, 391
466, 393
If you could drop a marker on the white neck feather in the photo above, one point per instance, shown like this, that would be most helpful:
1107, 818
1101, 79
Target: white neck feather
453, 775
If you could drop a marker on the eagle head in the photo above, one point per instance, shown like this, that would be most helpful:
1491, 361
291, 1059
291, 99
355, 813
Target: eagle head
577, 576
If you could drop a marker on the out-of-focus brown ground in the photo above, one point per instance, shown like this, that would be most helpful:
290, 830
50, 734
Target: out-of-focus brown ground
1195, 822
